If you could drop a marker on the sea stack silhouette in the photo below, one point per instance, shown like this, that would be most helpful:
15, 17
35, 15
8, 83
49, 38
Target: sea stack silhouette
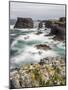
24, 23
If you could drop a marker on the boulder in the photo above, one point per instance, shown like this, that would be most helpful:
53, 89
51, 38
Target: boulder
24, 23
43, 46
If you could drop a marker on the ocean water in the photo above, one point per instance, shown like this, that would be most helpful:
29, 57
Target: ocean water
23, 46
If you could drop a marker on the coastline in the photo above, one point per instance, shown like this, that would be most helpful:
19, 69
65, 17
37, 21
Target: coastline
48, 72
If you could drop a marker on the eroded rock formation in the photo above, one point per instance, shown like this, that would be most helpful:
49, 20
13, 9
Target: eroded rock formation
24, 23
43, 46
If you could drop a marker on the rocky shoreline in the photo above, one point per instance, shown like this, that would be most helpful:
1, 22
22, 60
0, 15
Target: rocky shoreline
49, 71
58, 27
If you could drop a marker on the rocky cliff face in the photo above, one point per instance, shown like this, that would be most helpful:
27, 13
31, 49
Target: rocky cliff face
59, 31
48, 24
24, 23
58, 27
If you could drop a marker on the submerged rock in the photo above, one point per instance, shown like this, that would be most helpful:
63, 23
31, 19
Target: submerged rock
43, 46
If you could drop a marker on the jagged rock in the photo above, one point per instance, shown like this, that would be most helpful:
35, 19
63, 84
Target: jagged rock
39, 74
44, 61
24, 23
62, 19
14, 84
58, 28
43, 46
41, 62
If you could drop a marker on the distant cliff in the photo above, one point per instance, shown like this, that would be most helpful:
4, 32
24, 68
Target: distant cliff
24, 23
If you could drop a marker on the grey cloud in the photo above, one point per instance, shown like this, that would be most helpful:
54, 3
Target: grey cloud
36, 11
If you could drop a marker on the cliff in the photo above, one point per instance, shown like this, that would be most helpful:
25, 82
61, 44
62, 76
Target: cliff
58, 27
59, 31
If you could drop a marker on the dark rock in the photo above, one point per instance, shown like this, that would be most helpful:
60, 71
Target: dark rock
48, 24
24, 23
40, 25
58, 27
15, 83
41, 62
58, 31
12, 85
43, 46
62, 19
44, 61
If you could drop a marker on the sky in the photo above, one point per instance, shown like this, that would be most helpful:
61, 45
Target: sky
36, 11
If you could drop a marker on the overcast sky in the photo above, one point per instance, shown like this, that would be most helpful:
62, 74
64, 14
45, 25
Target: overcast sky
36, 11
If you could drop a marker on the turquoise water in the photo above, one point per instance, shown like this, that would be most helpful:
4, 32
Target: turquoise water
59, 51
23, 50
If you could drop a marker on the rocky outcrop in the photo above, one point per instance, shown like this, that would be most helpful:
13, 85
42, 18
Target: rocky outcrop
48, 24
58, 28
62, 19
52, 60
58, 31
39, 74
24, 23
43, 47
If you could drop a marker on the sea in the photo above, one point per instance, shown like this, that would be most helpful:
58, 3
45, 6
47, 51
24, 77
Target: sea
23, 45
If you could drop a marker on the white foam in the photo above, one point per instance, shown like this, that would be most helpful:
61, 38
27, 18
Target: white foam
12, 27
26, 29
31, 54
61, 45
33, 36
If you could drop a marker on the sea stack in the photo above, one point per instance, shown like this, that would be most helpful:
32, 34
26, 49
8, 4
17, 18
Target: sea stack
24, 23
